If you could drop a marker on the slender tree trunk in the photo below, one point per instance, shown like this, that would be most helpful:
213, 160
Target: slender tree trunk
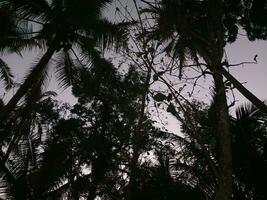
133, 174
225, 183
31, 80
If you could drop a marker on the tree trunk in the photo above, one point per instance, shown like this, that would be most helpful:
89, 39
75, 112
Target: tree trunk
133, 165
92, 193
31, 80
224, 189
244, 91
133, 176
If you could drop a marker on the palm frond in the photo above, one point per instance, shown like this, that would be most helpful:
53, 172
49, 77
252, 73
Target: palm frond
16, 44
33, 9
246, 110
52, 177
108, 34
5, 74
85, 10
88, 51
17, 34
64, 69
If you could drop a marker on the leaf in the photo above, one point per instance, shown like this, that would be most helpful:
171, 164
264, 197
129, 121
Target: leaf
171, 109
64, 69
159, 97
6, 75
169, 97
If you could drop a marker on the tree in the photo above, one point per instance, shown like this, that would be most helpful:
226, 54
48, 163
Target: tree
23, 156
160, 182
248, 139
251, 16
9, 29
200, 33
249, 151
117, 101
97, 135
62, 26
106, 146
201, 29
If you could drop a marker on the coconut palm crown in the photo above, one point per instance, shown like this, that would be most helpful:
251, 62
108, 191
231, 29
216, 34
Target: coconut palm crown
66, 27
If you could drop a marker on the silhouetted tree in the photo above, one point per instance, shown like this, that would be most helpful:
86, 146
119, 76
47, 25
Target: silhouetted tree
248, 139
23, 155
116, 101
62, 26
200, 33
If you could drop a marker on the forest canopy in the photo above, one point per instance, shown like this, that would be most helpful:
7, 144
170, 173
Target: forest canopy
137, 68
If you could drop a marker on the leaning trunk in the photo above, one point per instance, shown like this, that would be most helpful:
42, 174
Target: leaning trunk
225, 183
244, 91
31, 80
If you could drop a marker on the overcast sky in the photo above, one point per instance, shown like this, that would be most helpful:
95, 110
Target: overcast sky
242, 50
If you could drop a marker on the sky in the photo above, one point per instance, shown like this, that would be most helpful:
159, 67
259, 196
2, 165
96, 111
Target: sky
242, 50
254, 75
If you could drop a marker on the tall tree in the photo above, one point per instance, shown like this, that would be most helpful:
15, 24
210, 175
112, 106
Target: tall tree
200, 32
201, 29
117, 100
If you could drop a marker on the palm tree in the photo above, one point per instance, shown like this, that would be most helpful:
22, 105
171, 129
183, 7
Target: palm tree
196, 29
200, 33
62, 26
249, 134
249, 151
14, 39
22, 162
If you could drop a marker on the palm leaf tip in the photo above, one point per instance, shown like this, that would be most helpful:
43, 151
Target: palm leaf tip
64, 69
109, 34
6, 75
